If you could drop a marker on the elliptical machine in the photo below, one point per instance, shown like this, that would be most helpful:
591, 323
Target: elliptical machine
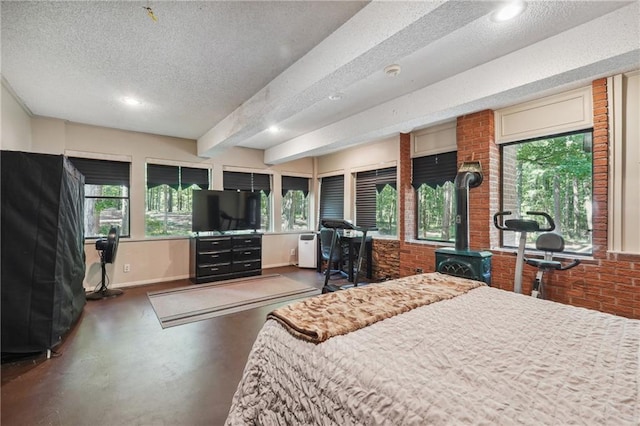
548, 242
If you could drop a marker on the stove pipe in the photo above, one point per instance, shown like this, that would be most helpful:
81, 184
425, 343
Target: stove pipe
469, 176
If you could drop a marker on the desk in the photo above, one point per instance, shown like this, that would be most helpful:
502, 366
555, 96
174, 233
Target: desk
352, 246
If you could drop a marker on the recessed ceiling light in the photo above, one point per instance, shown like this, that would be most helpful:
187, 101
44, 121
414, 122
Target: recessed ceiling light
509, 11
131, 101
392, 70
274, 129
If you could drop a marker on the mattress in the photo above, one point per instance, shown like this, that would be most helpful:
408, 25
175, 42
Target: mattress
484, 357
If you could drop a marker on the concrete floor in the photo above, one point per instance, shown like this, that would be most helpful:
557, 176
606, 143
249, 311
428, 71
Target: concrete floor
117, 366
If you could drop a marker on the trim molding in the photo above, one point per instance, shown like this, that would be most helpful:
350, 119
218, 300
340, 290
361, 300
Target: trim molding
565, 112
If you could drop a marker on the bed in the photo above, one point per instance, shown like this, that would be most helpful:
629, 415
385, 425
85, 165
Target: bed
471, 355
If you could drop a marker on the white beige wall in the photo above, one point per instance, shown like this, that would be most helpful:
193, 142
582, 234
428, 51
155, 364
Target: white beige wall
15, 124
159, 259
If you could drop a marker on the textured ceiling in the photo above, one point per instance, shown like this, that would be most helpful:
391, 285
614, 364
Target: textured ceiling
191, 68
224, 72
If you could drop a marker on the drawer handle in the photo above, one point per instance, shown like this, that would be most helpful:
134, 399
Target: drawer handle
247, 252
246, 265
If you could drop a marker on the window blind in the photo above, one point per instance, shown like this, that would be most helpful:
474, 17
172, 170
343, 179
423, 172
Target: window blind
435, 170
292, 183
261, 182
247, 181
102, 172
332, 197
368, 184
158, 174
194, 176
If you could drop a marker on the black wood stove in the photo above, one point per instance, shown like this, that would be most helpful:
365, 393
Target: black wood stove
460, 261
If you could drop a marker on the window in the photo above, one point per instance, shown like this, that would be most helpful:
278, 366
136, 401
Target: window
376, 200
295, 203
253, 182
106, 196
433, 178
332, 197
169, 198
552, 175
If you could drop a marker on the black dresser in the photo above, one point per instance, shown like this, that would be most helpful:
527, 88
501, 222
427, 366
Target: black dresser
223, 257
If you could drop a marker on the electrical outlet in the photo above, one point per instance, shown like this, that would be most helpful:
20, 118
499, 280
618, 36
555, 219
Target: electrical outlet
293, 252
418, 270
127, 267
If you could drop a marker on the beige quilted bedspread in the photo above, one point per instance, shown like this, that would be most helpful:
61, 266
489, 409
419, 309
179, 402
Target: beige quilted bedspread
485, 357
319, 318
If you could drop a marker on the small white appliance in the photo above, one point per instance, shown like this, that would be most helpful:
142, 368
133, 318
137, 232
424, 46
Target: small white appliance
307, 251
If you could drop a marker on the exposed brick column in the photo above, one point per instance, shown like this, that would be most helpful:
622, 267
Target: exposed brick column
412, 255
600, 168
476, 142
510, 194
406, 191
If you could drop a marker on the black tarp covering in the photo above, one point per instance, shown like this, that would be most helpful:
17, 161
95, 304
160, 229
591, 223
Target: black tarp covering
42, 243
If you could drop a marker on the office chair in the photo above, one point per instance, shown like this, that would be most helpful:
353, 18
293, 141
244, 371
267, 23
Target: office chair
326, 238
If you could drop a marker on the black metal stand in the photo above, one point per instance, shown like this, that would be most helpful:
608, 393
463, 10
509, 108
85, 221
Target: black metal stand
336, 224
103, 292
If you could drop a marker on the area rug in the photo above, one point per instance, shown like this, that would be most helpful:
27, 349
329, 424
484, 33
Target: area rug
198, 302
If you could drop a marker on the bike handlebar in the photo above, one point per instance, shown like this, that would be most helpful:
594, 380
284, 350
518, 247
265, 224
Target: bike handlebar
575, 262
495, 220
548, 219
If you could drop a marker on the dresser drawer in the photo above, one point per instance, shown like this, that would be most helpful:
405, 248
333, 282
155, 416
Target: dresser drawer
241, 255
247, 241
246, 266
214, 244
214, 257
223, 268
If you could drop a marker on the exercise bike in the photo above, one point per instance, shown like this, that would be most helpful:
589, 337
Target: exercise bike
548, 242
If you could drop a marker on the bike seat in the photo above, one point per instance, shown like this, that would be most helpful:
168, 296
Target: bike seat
550, 241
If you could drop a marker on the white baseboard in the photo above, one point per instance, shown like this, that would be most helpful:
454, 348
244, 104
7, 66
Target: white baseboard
277, 265
141, 282
165, 279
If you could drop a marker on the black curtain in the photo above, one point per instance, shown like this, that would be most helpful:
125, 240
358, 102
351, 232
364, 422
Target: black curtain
435, 170
292, 183
102, 172
194, 176
159, 174
247, 181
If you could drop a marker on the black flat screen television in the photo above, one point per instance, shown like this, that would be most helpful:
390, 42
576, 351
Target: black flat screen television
223, 211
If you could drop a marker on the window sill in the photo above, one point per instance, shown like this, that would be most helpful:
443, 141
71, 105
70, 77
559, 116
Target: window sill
534, 252
430, 243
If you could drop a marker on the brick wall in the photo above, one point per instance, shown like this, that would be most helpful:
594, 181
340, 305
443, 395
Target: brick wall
608, 282
386, 259
476, 142
510, 194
